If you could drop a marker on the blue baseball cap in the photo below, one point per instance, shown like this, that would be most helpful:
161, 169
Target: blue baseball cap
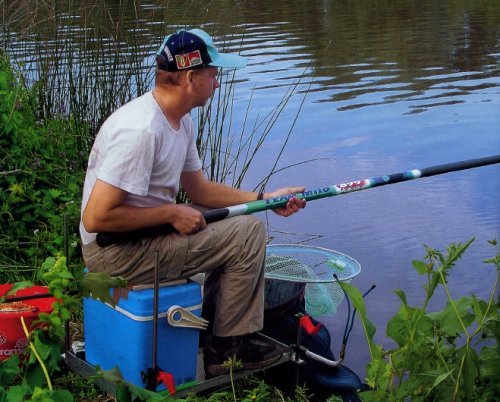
193, 48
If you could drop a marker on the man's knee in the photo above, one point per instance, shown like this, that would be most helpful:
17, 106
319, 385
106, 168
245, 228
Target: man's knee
255, 228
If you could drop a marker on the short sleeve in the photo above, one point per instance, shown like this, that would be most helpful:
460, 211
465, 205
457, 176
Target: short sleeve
129, 160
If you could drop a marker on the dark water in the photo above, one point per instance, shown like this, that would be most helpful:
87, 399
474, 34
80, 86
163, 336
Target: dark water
382, 86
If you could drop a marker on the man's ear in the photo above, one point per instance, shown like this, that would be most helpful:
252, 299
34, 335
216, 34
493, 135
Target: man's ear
190, 76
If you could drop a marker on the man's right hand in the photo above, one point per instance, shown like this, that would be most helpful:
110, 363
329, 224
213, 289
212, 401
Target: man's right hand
188, 220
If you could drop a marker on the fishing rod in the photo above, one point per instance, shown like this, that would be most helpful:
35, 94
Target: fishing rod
214, 215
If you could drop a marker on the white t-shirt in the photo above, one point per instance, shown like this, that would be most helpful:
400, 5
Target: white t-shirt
138, 151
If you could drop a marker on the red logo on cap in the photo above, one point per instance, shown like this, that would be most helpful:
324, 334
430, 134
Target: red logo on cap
188, 60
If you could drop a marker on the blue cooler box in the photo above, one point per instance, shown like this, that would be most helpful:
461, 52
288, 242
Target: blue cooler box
123, 336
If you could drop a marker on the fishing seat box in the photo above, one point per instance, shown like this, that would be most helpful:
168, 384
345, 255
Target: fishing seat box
122, 336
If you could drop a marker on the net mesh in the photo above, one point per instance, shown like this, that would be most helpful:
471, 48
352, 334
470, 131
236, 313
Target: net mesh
314, 266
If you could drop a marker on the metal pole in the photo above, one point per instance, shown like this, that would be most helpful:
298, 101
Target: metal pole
155, 309
150, 377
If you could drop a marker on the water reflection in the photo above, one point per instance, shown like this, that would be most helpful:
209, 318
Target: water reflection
351, 49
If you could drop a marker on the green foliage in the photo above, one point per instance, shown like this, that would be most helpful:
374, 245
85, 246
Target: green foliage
231, 364
31, 377
97, 285
36, 376
244, 390
40, 180
450, 354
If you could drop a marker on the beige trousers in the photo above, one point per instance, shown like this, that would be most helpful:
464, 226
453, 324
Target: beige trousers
231, 252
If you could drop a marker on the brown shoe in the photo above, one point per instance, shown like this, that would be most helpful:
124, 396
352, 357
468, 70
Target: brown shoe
252, 351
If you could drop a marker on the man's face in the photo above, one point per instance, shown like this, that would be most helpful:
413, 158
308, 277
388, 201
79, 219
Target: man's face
205, 84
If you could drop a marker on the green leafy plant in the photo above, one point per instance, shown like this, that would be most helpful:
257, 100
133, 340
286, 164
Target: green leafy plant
261, 393
32, 376
36, 376
231, 364
450, 354
39, 181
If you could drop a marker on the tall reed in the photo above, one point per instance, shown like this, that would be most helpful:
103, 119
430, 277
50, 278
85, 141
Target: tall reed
85, 61
88, 60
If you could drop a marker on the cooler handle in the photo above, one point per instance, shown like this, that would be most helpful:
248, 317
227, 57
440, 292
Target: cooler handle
178, 316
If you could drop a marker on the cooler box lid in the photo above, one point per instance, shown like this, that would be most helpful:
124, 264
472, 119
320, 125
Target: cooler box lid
138, 304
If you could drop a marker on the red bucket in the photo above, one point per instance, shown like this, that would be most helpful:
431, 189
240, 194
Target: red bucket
12, 337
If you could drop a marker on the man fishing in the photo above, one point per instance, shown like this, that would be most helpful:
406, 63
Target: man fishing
141, 155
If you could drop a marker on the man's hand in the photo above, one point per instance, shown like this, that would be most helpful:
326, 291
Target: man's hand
188, 220
293, 205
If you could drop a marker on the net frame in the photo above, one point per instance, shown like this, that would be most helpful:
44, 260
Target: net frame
322, 290
318, 272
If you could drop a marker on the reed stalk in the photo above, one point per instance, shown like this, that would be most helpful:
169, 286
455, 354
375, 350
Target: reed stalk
85, 61
85, 66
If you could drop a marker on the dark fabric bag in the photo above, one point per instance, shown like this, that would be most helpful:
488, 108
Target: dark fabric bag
283, 302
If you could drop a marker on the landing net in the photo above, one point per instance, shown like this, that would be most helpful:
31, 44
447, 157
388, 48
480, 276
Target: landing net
314, 266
